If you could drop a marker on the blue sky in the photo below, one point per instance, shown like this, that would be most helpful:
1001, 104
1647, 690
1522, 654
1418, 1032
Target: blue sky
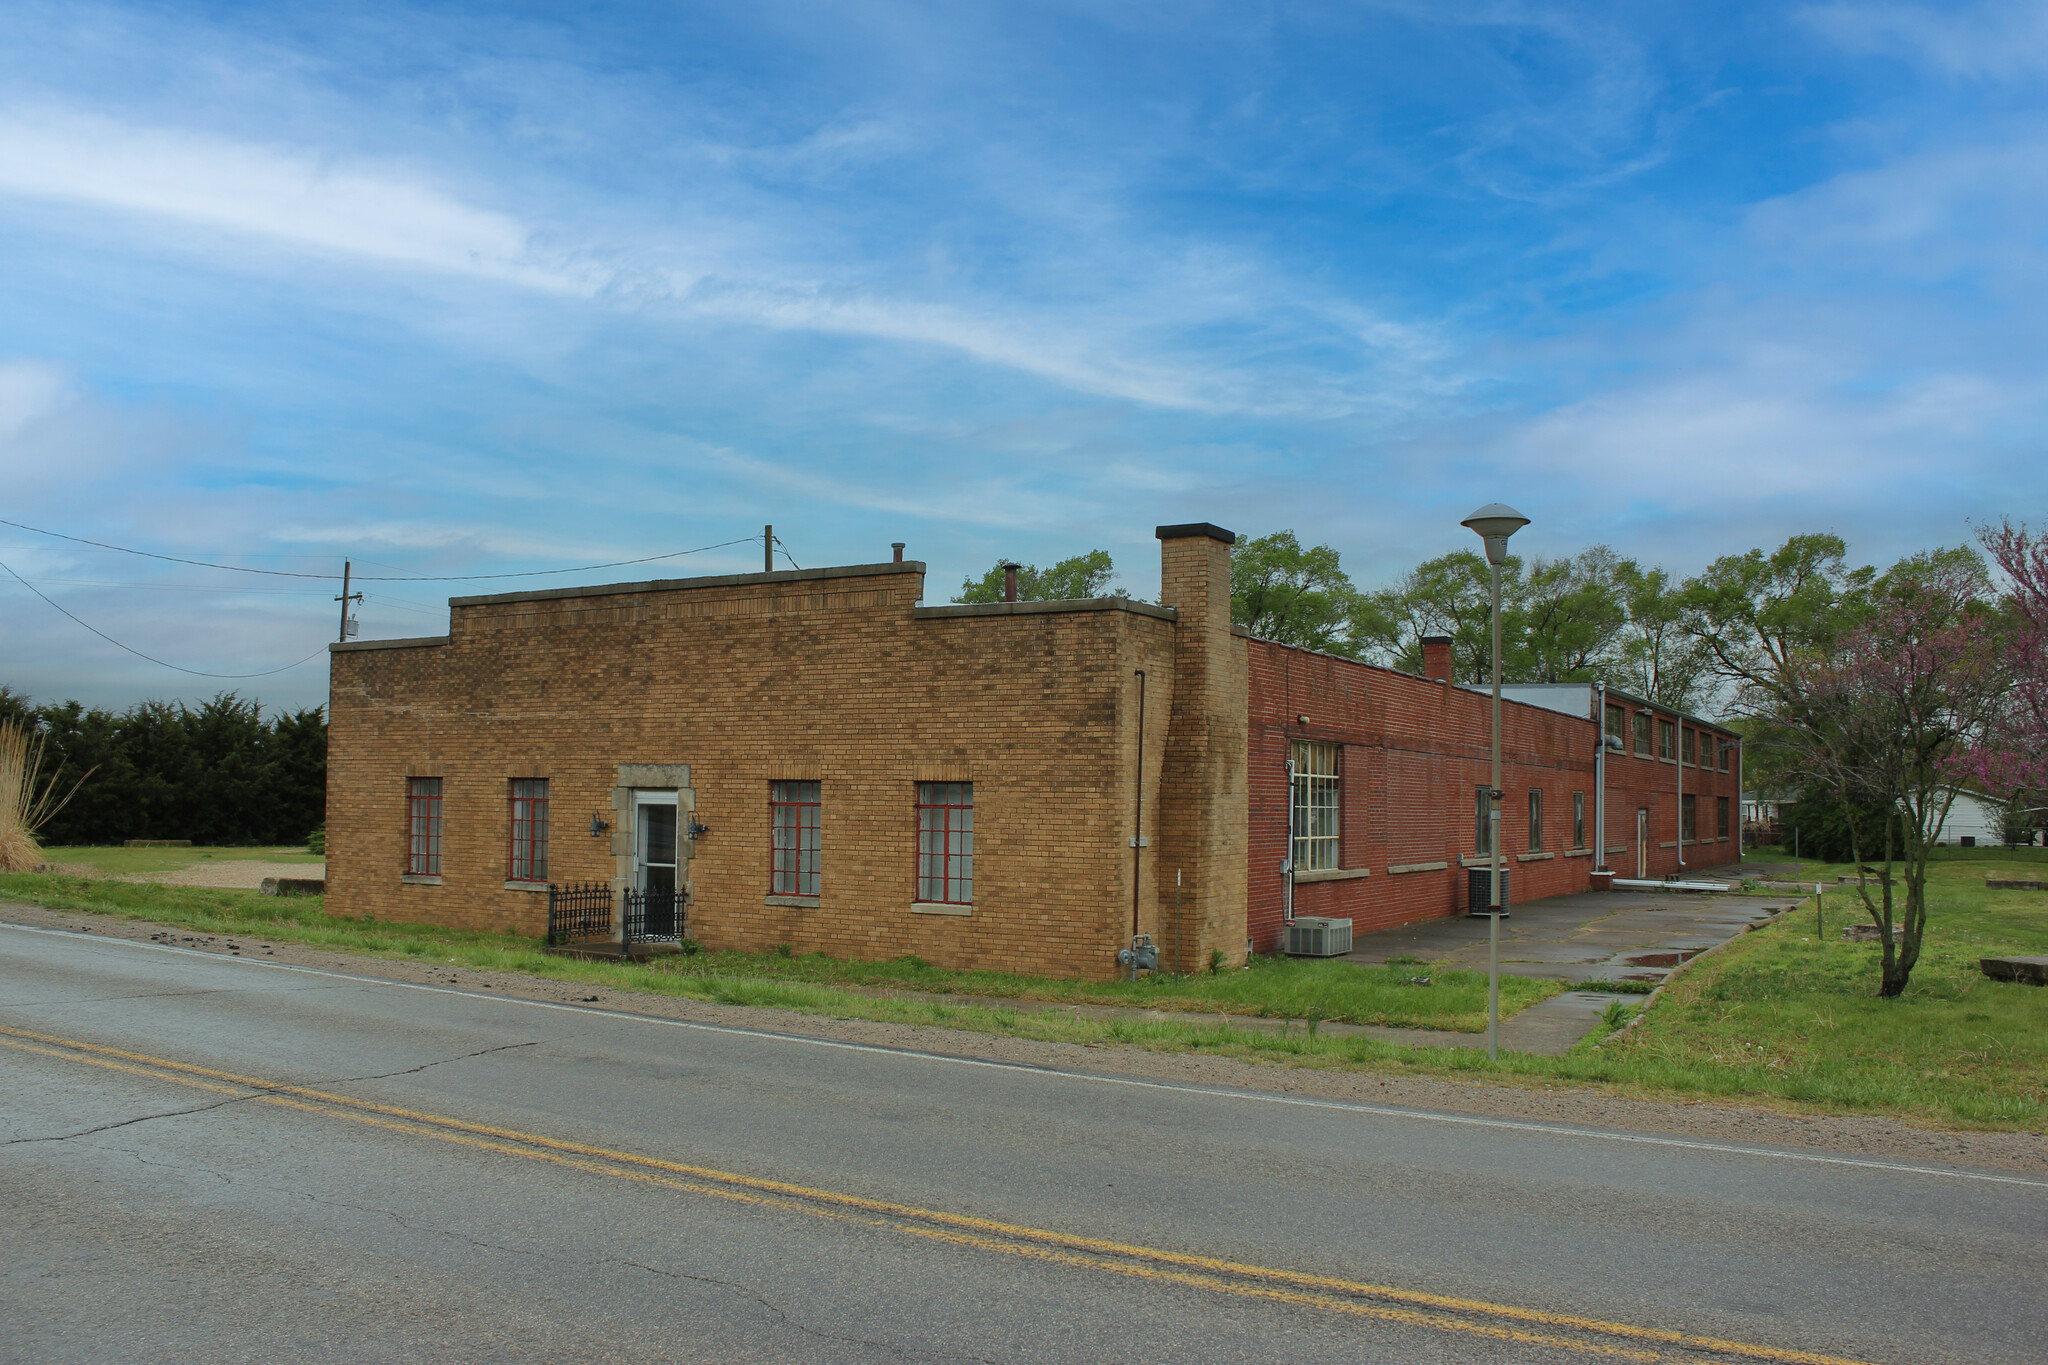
465, 290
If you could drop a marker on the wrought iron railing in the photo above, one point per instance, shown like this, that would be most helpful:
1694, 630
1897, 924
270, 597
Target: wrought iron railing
654, 917
579, 912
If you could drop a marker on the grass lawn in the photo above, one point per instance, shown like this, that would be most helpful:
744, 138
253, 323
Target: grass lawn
123, 862
1284, 988
1782, 1015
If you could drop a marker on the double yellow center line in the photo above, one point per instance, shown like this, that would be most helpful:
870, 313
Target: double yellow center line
1323, 1293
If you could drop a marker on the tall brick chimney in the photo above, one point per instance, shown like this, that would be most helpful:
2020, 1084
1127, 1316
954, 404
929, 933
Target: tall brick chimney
1202, 798
1436, 658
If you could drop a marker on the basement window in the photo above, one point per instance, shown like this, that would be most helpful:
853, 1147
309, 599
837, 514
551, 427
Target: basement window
423, 810
794, 809
945, 843
527, 860
1317, 812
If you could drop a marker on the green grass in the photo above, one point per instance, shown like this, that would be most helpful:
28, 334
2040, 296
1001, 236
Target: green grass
1271, 988
1781, 1016
124, 862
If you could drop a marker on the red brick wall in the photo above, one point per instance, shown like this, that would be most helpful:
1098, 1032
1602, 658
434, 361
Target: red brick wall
1412, 753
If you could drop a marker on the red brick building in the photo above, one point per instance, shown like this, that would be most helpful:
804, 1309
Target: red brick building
814, 758
1391, 770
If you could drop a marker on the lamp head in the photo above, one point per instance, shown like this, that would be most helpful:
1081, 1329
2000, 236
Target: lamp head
1494, 523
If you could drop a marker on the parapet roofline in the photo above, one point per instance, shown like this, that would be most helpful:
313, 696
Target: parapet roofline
1613, 693
956, 609
731, 580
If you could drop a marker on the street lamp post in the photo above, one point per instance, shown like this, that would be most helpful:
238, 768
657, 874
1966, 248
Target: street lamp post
1494, 523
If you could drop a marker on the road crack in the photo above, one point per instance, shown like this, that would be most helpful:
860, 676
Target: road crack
139, 1118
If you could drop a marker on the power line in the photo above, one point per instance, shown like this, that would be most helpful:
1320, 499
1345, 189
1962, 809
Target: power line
152, 658
408, 578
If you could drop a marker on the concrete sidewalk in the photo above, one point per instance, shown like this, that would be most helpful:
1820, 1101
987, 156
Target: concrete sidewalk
1590, 936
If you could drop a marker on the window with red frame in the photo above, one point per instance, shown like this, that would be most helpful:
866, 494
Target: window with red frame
945, 842
423, 804
529, 854
793, 810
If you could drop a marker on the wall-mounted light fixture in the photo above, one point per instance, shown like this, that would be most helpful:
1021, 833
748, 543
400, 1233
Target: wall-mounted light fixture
697, 829
598, 825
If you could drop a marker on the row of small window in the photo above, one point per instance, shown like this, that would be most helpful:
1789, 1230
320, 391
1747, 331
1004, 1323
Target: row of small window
945, 836
1698, 748
1318, 811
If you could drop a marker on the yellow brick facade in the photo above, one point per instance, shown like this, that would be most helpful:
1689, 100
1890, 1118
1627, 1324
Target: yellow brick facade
719, 686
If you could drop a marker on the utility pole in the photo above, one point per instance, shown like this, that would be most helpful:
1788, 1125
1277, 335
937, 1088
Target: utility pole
345, 599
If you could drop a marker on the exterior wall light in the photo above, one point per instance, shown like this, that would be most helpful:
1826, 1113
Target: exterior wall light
598, 825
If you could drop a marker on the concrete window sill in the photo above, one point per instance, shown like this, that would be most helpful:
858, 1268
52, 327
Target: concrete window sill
420, 878
1669, 843
1332, 874
1481, 859
1534, 857
1578, 853
1395, 869
939, 908
793, 902
540, 887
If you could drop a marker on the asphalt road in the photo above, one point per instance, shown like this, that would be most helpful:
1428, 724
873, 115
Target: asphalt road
224, 1159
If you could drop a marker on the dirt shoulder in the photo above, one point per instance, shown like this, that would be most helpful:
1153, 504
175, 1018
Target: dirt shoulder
1873, 1137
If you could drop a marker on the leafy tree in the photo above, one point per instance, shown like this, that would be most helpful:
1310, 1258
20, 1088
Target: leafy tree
1083, 576
1280, 591
1763, 620
1568, 618
1878, 718
2012, 763
1659, 659
1451, 595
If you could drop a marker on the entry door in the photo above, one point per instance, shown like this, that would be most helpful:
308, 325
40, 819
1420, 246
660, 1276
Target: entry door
654, 859
1642, 842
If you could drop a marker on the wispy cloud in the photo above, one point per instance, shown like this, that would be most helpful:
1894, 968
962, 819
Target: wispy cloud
284, 195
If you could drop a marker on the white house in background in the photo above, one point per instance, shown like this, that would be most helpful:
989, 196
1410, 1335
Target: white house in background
1971, 817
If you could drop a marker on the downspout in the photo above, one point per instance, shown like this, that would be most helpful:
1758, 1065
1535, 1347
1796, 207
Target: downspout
1138, 807
1287, 860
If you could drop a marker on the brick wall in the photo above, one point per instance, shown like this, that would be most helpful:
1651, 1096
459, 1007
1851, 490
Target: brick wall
828, 675
1412, 752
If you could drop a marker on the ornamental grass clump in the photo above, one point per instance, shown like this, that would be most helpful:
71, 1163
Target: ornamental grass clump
24, 806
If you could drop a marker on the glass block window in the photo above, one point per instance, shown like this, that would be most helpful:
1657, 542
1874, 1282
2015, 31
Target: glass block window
528, 860
793, 809
423, 810
945, 842
1317, 813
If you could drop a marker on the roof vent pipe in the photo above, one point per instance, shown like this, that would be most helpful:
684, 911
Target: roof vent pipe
897, 546
1010, 582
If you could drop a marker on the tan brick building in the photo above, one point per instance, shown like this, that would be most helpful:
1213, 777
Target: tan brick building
812, 758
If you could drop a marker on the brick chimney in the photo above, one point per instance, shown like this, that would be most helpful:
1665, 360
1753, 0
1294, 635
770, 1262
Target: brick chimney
1010, 581
1436, 658
1202, 797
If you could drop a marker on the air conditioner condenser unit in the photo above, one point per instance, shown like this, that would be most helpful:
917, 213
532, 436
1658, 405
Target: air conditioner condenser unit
1316, 936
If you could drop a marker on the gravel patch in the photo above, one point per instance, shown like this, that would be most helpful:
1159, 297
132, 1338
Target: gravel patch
1870, 1136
